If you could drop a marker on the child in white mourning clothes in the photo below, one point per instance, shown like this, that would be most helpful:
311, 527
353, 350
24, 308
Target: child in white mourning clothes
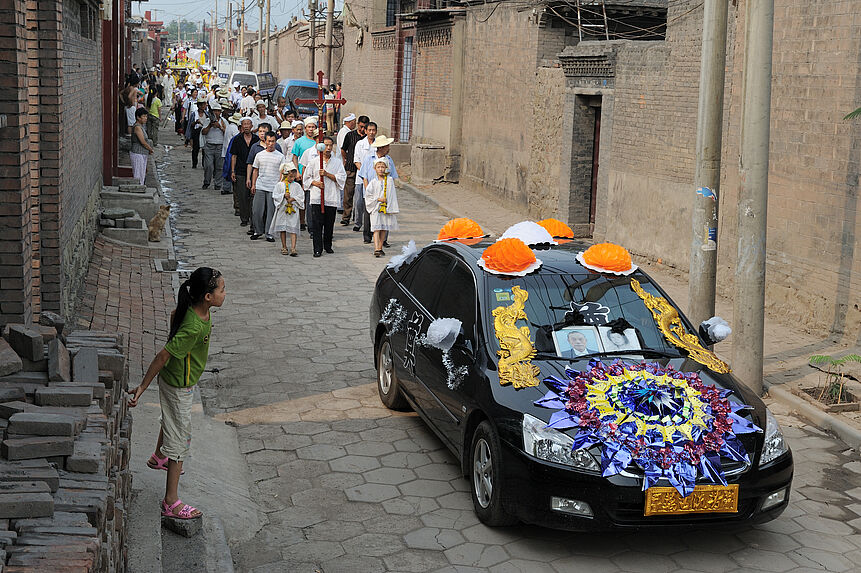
288, 197
381, 201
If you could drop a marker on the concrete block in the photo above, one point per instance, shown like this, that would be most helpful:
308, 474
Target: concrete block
37, 447
48, 332
34, 365
26, 342
30, 470
11, 395
98, 389
117, 213
41, 424
184, 527
85, 457
48, 318
132, 236
25, 499
59, 362
8, 409
10, 362
86, 365
106, 378
107, 223
78, 396
114, 361
428, 162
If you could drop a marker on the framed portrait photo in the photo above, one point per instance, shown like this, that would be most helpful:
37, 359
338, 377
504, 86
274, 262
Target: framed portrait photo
574, 341
617, 341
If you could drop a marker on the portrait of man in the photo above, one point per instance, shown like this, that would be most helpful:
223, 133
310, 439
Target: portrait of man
577, 341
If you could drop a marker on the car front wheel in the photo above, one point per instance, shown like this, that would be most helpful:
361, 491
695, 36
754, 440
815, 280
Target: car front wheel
388, 386
488, 488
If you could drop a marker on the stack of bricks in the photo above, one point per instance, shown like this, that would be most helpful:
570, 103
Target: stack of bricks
65, 485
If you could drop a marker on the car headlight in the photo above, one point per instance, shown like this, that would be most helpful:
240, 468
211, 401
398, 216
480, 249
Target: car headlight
554, 446
774, 446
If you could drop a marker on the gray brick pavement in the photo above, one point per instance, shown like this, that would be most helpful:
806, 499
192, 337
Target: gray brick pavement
350, 486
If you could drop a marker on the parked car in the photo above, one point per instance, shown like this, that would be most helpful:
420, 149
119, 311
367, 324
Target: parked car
519, 468
263, 82
291, 90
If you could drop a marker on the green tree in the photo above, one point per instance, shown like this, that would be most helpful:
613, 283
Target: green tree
189, 31
854, 114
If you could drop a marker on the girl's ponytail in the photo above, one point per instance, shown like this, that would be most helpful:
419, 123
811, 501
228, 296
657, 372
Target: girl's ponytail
202, 281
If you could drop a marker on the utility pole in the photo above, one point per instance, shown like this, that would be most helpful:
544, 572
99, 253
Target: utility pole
330, 17
268, 28
260, 38
312, 7
215, 43
230, 28
211, 36
749, 299
703, 264
242, 31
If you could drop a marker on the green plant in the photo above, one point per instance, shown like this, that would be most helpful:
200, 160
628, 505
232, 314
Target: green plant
832, 390
854, 114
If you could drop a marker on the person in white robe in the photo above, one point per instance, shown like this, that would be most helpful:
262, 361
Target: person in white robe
381, 201
288, 197
328, 182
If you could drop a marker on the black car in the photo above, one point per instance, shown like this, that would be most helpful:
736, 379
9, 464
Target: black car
518, 468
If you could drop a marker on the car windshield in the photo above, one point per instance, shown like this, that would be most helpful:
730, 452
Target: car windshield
572, 316
245, 79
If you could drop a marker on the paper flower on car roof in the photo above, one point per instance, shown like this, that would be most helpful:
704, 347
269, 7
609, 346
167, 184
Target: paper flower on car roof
460, 228
509, 257
530, 233
557, 228
607, 258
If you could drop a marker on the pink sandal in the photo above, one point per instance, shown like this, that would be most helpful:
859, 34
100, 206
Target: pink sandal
156, 463
184, 513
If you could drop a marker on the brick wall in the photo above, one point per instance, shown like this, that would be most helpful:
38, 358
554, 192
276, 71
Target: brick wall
368, 70
499, 79
813, 264
432, 89
81, 163
53, 113
16, 246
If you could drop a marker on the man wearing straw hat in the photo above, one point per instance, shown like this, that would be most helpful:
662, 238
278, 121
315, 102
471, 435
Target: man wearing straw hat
213, 139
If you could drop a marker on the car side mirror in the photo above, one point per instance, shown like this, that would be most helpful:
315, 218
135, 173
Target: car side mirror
714, 330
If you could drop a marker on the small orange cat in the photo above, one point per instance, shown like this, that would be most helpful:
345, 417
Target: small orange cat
156, 224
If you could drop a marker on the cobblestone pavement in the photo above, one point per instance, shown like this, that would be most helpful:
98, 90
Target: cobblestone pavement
348, 486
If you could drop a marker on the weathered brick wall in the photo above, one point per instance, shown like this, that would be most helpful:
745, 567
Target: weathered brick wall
81, 158
16, 247
547, 143
433, 77
499, 79
813, 264
368, 71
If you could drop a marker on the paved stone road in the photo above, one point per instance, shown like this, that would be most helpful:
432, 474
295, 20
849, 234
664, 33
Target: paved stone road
348, 486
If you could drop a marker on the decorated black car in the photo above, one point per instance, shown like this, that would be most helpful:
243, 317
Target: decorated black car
572, 391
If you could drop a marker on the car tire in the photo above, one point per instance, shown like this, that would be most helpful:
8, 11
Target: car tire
487, 486
388, 386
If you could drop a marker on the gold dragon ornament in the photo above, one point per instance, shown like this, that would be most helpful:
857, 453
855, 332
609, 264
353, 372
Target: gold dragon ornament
669, 323
516, 350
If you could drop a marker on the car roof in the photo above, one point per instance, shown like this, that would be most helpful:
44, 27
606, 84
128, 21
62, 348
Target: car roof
303, 83
555, 258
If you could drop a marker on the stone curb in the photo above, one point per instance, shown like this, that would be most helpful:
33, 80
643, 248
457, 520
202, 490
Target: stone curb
442, 208
823, 420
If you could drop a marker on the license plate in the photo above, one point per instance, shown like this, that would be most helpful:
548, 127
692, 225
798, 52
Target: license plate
704, 499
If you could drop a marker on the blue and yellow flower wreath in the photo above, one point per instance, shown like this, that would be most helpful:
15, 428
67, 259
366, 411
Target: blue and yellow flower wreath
669, 423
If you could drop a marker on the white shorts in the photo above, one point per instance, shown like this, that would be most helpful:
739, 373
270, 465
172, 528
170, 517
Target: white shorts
175, 420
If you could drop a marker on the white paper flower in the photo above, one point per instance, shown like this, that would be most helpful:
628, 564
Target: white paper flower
530, 233
408, 253
442, 333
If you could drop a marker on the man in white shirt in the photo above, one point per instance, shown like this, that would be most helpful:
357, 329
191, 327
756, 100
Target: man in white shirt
263, 117
266, 166
235, 95
246, 105
213, 139
363, 148
349, 125
328, 182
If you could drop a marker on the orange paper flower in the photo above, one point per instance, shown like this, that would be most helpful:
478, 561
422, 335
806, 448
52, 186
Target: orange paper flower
508, 256
461, 228
557, 228
607, 257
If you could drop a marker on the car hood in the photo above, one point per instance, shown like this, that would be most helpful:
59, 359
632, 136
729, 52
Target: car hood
521, 401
